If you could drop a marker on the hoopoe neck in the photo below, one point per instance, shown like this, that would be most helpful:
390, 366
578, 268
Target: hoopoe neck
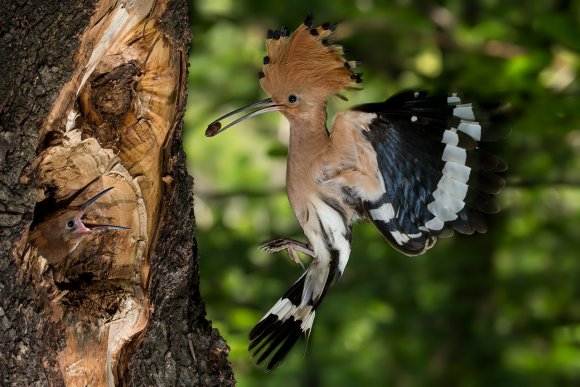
308, 137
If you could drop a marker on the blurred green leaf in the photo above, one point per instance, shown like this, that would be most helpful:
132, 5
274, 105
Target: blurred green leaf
563, 29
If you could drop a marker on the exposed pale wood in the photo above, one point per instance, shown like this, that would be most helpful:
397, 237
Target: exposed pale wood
108, 127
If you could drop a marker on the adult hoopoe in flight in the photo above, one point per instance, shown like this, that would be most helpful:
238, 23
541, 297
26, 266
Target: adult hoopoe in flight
412, 165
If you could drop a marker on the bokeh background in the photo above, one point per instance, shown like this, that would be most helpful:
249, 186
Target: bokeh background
499, 309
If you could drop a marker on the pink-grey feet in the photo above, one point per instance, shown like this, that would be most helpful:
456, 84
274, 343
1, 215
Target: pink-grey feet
291, 245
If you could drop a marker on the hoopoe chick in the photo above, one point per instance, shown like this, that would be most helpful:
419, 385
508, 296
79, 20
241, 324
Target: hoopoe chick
59, 234
412, 165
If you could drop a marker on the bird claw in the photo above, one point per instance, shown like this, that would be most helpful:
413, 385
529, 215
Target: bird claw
275, 245
288, 244
294, 257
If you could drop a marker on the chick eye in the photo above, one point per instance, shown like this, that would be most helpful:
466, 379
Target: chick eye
292, 98
70, 224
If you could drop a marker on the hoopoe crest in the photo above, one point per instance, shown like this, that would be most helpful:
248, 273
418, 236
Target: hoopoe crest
306, 63
412, 165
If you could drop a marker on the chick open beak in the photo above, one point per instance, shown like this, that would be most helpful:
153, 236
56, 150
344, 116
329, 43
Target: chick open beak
264, 106
86, 227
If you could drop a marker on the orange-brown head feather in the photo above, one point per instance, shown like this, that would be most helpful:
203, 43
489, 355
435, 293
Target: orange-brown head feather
306, 63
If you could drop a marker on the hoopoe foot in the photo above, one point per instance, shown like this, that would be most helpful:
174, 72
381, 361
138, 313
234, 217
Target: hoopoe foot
291, 245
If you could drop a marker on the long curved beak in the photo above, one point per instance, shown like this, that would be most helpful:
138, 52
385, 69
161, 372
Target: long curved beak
265, 105
96, 227
92, 200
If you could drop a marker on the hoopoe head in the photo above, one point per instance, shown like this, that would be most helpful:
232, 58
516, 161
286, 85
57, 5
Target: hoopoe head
301, 71
60, 233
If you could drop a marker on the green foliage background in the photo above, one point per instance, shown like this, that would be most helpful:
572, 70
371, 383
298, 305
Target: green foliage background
498, 309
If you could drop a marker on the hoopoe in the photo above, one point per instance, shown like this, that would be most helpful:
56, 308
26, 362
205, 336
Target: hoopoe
61, 232
412, 165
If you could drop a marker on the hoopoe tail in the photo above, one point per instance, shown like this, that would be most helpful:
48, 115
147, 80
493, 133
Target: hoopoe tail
290, 317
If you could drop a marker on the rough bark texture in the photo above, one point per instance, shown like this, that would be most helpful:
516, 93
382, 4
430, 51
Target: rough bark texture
180, 347
42, 43
37, 41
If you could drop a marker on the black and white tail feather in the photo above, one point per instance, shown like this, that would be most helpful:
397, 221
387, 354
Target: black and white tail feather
436, 178
293, 314
282, 325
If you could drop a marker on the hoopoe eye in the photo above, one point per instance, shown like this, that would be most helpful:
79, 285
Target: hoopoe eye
70, 224
292, 98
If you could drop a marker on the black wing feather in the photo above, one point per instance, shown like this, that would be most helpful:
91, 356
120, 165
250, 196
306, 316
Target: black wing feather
436, 176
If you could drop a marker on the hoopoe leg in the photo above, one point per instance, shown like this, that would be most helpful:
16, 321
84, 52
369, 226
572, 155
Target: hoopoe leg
291, 245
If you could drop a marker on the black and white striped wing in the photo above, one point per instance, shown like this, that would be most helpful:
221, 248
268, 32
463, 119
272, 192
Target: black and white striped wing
435, 175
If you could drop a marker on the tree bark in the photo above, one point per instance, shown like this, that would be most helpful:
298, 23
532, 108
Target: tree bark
92, 95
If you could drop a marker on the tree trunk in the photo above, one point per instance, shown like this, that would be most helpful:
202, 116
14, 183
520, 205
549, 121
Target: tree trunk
92, 95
